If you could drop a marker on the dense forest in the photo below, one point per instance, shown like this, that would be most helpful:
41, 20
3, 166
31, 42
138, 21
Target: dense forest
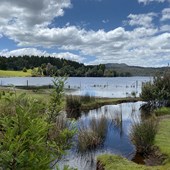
49, 66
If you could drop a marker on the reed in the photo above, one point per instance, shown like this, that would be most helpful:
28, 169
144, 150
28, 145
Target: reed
87, 98
91, 136
143, 135
73, 106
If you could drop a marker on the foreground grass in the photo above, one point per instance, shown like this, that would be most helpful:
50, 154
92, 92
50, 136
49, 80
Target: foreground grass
113, 162
163, 139
7, 73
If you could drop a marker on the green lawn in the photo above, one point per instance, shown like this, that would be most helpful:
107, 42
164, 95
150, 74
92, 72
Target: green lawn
113, 162
7, 73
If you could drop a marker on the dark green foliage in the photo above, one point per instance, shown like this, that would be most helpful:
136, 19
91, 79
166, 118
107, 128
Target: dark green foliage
143, 135
24, 69
50, 66
157, 92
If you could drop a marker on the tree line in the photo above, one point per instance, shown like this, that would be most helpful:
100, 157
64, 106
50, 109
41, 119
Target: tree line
49, 66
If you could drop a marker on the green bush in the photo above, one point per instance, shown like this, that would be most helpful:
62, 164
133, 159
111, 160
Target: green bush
158, 90
32, 134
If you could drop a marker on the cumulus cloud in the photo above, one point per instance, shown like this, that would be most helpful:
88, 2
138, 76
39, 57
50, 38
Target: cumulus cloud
145, 20
36, 52
165, 14
28, 14
26, 22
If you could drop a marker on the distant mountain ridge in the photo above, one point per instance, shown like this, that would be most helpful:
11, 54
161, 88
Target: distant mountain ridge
136, 70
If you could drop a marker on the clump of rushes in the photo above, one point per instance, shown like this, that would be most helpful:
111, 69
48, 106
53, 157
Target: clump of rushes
143, 135
91, 136
73, 106
87, 98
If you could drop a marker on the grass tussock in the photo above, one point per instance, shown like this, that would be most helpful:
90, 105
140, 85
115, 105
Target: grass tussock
143, 135
73, 106
91, 136
87, 98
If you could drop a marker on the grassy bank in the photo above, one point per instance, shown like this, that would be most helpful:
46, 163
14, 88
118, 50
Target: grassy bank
7, 73
113, 162
44, 94
98, 102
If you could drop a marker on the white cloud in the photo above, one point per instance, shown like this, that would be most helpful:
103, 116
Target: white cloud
149, 1
28, 14
26, 22
105, 21
145, 20
165, 28
36, 52
165, 14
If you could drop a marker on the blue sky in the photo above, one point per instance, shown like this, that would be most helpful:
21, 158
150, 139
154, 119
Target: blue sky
135, 32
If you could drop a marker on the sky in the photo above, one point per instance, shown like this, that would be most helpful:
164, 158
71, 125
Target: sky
134, 32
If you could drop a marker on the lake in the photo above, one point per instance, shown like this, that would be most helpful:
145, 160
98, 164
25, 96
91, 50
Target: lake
95, 86
117, 139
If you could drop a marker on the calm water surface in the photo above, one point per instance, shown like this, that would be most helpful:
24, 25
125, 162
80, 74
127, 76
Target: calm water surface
99, 87
117, 137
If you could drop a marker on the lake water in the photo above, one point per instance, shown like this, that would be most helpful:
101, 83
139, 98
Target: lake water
117, 139
99, 87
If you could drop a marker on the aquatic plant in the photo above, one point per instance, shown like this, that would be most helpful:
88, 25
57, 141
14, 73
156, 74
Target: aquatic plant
87, 98
91, 136
143, 134
73, 106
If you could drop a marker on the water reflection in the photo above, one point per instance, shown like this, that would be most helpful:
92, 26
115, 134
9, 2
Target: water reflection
119, 120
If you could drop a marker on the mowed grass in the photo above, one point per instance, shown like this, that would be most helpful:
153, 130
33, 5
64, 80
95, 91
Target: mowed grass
163, 139
7, 73
114, 162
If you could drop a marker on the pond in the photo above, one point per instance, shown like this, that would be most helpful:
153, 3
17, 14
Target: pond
117, 139
114, 87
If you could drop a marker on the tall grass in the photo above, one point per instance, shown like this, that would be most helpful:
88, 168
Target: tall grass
74, 103
91, 136
87, 98
143, 135
73, 106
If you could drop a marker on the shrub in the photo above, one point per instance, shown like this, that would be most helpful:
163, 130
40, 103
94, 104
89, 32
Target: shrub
143, 135
24, 69
157, 93
33, 136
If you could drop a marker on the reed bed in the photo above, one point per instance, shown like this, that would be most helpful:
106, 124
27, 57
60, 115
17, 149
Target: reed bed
92, 135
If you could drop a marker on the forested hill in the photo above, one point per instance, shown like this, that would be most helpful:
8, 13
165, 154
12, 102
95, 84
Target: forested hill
48, 66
